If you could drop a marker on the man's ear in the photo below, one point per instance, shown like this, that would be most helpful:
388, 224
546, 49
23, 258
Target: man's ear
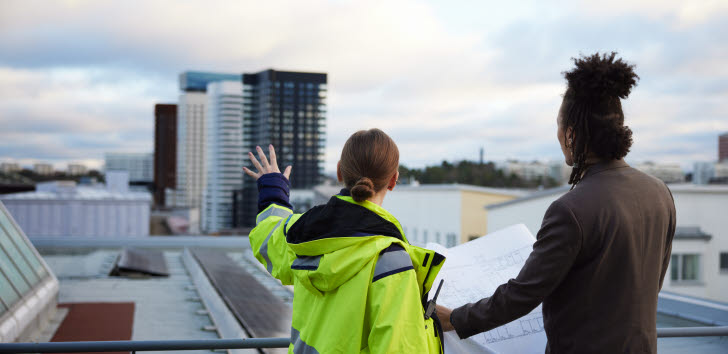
569, 134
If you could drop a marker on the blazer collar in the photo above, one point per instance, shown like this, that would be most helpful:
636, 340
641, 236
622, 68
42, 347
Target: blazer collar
604, 166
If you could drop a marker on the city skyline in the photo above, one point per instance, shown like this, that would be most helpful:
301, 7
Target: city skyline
441, 79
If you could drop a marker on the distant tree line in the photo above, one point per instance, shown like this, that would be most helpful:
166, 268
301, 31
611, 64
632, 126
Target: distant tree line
59, 175
473, 173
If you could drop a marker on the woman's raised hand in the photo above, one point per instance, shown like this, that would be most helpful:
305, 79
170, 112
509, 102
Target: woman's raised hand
263, 166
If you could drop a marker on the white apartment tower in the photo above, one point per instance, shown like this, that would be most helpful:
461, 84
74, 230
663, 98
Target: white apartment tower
223, 153
190, 149
191, 141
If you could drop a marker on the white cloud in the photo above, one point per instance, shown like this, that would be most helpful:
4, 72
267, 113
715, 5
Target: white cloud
442, 78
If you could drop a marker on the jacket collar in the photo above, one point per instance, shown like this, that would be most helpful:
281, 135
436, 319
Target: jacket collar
344, 217
604, 166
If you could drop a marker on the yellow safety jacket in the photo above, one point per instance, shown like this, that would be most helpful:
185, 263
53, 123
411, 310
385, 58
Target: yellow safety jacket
359, 286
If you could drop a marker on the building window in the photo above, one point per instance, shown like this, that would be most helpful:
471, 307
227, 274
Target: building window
685, 267
724, 262
451, 240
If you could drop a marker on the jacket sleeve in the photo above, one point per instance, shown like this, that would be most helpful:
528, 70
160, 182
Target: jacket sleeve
268, 239
395, 315
558, 243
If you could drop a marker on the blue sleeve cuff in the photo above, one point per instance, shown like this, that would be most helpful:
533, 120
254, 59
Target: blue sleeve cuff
273, 188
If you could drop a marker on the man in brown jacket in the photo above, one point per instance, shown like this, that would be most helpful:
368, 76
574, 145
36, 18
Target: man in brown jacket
603, 248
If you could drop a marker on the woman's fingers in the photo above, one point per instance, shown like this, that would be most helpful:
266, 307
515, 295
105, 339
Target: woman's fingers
264, 166
287, 172
263, 160
273, 159
251, 173
256, 163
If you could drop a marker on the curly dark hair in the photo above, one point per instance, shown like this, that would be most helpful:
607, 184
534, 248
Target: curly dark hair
593, 110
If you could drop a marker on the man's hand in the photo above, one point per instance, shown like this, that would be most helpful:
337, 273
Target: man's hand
263, 166
443, 314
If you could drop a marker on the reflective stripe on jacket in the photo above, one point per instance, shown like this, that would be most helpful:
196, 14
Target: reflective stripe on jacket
359, 286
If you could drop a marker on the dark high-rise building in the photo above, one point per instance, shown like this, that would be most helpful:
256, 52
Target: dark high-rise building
165, 150
723, 147
286, 109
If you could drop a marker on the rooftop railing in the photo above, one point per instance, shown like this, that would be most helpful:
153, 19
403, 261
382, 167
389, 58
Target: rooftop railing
249, 343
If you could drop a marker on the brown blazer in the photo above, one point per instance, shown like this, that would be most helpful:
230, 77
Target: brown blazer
597, 266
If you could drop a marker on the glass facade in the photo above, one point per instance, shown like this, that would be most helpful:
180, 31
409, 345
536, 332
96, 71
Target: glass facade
196, 81
286, 109
20, 267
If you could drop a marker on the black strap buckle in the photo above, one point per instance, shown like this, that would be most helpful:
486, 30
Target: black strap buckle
432, 304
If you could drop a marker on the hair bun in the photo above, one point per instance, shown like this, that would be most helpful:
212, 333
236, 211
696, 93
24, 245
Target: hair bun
363, 189
601, 76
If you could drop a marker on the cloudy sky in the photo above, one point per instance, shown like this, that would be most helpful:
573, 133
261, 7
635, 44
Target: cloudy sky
444, 78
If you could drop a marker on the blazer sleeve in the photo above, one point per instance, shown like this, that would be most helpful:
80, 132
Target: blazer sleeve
558, 243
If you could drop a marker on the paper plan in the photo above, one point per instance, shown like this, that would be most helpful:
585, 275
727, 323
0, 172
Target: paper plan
473, 271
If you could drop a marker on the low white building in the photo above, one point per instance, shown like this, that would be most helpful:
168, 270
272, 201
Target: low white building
447, 214
526, 170
699, 263
63, 209
139, 165
668, 173
706, 172
8, 167
44, 169
303, 199
75, 169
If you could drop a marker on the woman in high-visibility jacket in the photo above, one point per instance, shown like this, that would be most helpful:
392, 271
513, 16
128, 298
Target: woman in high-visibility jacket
359, 286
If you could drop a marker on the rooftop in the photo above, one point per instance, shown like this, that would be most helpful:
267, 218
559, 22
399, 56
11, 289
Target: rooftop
532, 196
679, 187
174, 307
197, 81
186, 305
698, 188
465, 187
691, 233
70, 191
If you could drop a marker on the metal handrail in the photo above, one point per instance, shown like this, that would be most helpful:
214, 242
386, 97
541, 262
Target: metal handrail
718, 331
145, 345
248, 343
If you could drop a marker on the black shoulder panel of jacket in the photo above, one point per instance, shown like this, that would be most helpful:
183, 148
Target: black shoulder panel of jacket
338, 218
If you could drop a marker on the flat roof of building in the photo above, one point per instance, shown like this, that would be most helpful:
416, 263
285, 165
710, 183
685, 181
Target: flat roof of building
464, 187
675, 188
79, 193
532, 196
691, 233
698, 188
